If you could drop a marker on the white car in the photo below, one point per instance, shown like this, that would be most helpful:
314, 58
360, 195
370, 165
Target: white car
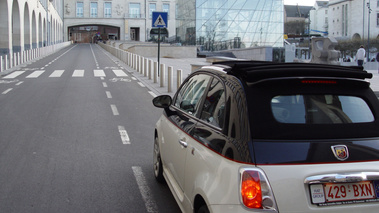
269, 137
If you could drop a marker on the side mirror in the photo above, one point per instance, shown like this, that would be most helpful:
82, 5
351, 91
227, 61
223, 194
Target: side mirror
162, 101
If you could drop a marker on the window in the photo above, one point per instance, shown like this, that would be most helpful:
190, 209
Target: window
377, 19
108, 10
191, 93
134, 10
152, 8
213, 110
166, 8
320, 109
79, 9
93, 10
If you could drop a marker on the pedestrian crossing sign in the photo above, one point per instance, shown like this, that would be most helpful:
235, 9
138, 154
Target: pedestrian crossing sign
159, 19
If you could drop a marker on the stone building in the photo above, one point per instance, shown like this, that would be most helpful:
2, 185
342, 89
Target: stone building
93, 20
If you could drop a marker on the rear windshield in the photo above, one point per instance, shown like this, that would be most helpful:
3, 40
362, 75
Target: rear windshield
320, 109
290, 109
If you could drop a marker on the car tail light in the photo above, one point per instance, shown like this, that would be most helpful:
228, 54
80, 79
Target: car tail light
251, 191
255, 190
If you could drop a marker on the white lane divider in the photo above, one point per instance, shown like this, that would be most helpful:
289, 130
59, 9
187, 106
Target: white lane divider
150, 204
56, 74
6, 91
114, 109
141, 84
105, 84
152, 94
109, 95
13, 74
120, 73
124, 135
99, 73
35, 74
78, 73
19, 83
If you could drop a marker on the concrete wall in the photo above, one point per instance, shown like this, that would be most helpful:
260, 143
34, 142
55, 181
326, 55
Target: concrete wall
166, 51
254, 53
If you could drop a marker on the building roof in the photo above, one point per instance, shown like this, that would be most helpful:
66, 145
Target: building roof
322, 3
297, 11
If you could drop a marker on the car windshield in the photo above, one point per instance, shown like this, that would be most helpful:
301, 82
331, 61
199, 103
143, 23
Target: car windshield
320, 109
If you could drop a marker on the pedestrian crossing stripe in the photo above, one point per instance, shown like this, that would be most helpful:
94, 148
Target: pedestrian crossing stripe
59, 73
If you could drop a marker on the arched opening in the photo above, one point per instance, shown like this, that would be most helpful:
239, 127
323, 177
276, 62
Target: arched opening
16, 27
93, 33
27, 41
4, 30
34, 30
356, 36
40, 31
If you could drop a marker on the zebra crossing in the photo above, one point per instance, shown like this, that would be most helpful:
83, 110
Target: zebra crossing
58, 73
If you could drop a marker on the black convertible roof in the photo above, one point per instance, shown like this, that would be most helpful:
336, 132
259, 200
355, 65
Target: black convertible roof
253, 71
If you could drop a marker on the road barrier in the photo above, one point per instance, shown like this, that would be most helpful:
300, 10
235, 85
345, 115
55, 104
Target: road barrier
9, 61
147, 67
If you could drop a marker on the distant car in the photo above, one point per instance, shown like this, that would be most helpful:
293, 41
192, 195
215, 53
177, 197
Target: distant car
270, 137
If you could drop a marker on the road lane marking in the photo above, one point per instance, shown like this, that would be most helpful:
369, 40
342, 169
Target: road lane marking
105, 84
35, 74
13, 74
19, 83
120, 73
78, 73
141, 84
99, 73
6, 91
56, 74
152, 94
134, 78
109, 95
124, 135
114, 109
150, 204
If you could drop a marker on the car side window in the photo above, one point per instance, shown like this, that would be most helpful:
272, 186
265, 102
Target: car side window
213, 111
191, 92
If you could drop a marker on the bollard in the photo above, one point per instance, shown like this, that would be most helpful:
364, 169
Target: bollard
178, 78
6, 62
1, 63
169, 78
149, 71
142, 67
146, 64
162, 75
155, 72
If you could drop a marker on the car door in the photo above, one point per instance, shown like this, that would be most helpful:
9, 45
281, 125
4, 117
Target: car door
179, 129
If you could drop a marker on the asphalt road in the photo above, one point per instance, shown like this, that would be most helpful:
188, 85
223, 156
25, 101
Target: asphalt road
76, 135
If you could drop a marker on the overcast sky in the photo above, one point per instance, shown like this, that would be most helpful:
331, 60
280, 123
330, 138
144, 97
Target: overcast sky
299, 2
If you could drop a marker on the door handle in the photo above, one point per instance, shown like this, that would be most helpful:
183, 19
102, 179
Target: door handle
183, 143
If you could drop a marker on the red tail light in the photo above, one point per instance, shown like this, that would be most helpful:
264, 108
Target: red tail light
251, 191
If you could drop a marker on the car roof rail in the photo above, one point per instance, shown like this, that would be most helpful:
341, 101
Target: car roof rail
252, 71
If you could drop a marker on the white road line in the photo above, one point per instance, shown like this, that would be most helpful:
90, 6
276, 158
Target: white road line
35, 74
152, 94
78, 73
109, 95
141, 84
19, 83
105, 84
134, 78
6, 91
124, 135
99, 73
56, 74
114, 110
120, 73
13, 74
150, 204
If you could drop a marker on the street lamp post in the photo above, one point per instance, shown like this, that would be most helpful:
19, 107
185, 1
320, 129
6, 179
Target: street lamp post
368, 37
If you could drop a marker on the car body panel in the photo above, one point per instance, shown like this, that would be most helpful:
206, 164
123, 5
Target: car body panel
292, 194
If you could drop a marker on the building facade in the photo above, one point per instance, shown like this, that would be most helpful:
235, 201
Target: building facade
223, 24
29, 24
92, 20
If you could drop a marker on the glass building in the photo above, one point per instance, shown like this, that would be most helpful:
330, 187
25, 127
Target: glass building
228, 24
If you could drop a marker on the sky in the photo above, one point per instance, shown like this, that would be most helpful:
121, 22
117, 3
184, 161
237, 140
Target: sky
299, 2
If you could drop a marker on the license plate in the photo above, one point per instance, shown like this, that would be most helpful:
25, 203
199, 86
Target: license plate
341, 192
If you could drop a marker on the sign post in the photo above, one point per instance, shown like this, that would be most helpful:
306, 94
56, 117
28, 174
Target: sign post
159, 20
